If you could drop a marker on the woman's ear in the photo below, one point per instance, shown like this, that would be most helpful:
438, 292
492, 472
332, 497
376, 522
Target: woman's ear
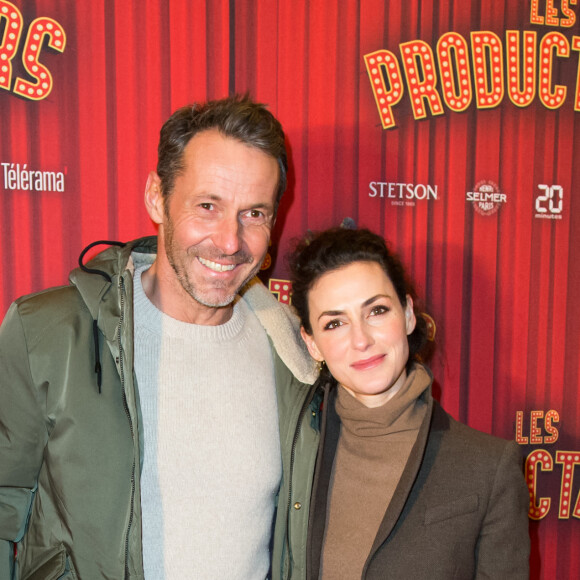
410, 319
311, 345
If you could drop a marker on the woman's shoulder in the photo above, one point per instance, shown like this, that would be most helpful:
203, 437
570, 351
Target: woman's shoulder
462, 439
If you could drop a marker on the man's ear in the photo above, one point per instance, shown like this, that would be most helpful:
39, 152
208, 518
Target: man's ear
410, 319
154, 200
311, 345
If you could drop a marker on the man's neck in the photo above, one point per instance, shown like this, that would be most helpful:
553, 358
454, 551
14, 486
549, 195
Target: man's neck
167, 294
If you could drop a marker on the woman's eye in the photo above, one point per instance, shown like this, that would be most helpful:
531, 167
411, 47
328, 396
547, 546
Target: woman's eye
332, 324
378, 310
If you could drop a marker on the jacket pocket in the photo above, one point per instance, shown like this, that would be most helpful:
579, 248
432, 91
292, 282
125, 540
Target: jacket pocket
453, 509
57, 565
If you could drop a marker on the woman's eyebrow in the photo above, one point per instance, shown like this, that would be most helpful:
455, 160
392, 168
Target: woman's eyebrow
374, 299
330, 313
366, 303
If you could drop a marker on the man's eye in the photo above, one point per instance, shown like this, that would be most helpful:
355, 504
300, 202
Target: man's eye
208, 206
255, 216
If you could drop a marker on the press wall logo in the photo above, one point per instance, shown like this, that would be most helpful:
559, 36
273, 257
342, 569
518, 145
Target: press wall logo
550, 202
403, 193
486, 197
19, 177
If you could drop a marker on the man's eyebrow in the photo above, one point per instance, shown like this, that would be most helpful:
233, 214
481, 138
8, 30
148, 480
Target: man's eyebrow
210, 196
205, 198
263, 205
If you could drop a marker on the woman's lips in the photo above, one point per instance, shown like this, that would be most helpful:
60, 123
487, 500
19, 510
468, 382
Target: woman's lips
368, 363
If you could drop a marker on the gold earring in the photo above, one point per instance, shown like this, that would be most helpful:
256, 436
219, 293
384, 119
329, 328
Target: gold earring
320, 365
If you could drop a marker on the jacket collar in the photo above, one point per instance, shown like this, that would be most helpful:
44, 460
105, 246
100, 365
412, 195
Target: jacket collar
103, 300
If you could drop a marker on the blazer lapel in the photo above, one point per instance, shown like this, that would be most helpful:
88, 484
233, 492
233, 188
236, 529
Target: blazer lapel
405, 484
329, 435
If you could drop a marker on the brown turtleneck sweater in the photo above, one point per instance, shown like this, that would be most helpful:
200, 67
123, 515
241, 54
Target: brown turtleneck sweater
372, 451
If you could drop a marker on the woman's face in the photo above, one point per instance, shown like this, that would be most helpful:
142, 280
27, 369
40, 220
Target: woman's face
360, 328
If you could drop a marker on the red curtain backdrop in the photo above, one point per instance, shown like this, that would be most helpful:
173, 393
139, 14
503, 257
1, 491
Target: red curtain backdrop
499, 287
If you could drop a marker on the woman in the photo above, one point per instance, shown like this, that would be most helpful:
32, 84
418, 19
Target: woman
400, 489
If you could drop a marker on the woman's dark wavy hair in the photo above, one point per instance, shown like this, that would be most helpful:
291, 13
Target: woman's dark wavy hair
335, 248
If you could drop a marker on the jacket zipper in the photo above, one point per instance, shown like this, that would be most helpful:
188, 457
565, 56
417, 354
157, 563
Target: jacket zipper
126, 407
305, 404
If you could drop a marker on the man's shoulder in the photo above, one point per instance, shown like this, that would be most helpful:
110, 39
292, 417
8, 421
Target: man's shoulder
283, 328
49, 309
52, 299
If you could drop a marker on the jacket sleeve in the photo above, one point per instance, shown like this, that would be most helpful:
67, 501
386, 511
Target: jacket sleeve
503, 549
23, 436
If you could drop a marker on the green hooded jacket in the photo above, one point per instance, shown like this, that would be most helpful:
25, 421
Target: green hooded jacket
71, 445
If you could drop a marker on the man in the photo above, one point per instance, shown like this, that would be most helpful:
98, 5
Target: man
176, 478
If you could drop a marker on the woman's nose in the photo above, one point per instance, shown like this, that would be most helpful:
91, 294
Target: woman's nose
361, 336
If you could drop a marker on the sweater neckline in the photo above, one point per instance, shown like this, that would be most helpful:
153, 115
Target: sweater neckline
403, 412
157, 322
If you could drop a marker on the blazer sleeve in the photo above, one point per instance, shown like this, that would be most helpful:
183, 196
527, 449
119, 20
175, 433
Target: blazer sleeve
23, 436
503, 548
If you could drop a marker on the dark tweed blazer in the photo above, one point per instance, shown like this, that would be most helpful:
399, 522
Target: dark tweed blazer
460, 509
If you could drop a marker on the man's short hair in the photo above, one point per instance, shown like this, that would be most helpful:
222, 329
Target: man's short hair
237, 117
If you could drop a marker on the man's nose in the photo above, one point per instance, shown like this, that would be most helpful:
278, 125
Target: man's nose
228, 235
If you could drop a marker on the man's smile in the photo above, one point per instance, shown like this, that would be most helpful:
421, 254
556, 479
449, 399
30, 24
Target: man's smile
215, 266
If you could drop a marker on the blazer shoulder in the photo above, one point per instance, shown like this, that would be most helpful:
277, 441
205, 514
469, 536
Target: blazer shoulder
461, 438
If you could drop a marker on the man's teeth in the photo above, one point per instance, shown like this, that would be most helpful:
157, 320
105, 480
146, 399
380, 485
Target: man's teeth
215, 266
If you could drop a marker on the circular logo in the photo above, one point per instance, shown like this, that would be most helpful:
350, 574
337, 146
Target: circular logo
486, 197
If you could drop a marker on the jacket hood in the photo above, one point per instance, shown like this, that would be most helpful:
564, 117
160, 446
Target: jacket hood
283, 328
98, 284
98, 280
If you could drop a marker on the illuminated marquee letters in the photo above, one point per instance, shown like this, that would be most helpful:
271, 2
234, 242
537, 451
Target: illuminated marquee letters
483, 71
540, 460
551, 13
40, 29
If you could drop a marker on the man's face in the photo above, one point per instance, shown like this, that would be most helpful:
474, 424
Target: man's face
217, 220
